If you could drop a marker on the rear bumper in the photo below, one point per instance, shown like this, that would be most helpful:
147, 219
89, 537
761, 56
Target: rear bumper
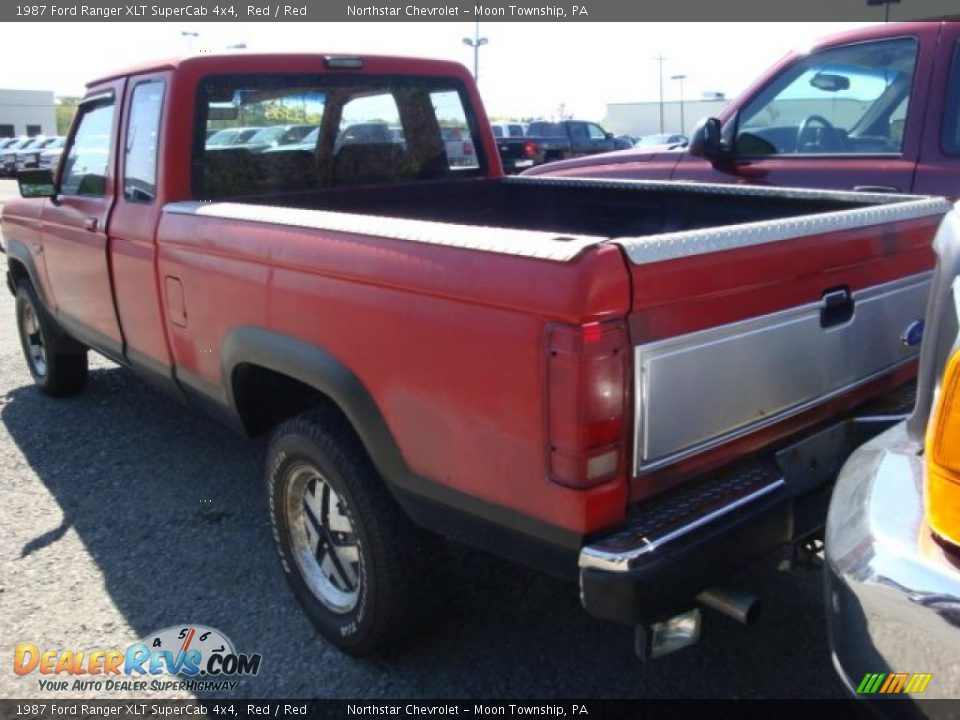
693, 537
892, 593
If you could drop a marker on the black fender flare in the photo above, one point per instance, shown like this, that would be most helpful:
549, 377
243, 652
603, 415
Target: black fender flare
429, 503
18, 253
314, 366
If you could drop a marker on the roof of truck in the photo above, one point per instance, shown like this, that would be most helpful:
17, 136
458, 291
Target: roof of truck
247, 61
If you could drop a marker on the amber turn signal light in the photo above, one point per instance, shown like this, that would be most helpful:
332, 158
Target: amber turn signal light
942, 493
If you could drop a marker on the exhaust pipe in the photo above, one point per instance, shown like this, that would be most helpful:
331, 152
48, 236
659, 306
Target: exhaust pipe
741, 606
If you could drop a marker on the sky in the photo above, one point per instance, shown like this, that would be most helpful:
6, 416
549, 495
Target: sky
526, 69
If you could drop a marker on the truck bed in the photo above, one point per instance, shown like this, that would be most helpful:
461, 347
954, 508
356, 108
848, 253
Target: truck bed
730, 287
581, 207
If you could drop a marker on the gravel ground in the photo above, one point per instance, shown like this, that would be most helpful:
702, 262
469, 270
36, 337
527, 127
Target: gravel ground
109, 539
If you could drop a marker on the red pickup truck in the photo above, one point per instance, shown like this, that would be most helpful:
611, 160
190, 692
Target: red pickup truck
875, 109
642, 386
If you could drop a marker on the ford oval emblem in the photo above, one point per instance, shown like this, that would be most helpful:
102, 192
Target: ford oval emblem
913, 335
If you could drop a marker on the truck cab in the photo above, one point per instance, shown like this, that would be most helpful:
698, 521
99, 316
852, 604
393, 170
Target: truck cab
875, 109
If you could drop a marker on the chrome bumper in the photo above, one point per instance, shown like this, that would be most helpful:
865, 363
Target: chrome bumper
892, 593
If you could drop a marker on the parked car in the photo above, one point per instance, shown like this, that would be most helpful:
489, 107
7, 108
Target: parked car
275, 136
507, 130
7, 142
893, 531
585, 138
639, 386
8, 156
546, 142
309, 143
232, 136
364, 133
30, 157
667, 140
623, 142
50, 156
459, 147
874, 109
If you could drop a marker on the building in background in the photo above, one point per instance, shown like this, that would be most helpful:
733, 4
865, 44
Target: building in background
643, 118
27, 112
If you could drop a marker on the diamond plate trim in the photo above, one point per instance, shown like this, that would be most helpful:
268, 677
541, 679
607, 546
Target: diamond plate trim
525, 243
680, 512
669, 246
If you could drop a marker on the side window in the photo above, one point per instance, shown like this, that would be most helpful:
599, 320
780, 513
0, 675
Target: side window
143, 133
85, 169
846, 100
578, 132
596, 132
950, 133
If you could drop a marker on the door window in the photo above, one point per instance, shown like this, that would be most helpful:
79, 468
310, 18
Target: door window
143, 133
950, 133
578, 133
845, 100
596, 132
85, 169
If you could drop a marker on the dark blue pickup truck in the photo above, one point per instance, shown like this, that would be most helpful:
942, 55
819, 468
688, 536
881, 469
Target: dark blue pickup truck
549, 141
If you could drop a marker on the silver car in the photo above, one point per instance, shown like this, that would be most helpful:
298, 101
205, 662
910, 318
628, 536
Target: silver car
893, 529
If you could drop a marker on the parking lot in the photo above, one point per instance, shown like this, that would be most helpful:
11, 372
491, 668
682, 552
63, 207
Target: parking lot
126, 513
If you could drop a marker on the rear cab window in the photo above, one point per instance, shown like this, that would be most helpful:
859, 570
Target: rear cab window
265, 133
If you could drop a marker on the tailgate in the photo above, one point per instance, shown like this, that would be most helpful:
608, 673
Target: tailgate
511, 149
739, 328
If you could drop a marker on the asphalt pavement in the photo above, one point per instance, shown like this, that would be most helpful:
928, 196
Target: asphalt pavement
125, 513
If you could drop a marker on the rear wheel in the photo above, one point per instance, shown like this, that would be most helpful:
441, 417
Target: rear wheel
355, 563
55, 372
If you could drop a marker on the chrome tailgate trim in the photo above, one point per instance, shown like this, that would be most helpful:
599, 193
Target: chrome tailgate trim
703, 389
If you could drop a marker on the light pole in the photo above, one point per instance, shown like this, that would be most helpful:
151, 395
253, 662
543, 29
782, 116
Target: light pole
475, 43
660, 59
190, 36
681, 78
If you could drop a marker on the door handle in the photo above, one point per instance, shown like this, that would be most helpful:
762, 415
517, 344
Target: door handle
876, 188
837, 307
90, 224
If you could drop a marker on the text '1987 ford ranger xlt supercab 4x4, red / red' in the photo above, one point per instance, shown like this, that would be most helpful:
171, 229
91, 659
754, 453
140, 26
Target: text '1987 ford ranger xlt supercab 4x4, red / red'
641, 386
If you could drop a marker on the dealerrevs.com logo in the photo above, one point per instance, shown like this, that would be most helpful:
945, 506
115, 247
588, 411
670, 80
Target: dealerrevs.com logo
201, 657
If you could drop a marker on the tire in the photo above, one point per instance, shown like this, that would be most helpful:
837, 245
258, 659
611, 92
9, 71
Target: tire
55, 372
357, 566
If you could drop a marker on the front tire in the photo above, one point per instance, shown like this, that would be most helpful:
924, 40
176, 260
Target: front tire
355, 563
55, 372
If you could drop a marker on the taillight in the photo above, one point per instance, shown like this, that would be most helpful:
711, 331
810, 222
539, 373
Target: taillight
586, 402
530, 149
468, 148
943, 457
